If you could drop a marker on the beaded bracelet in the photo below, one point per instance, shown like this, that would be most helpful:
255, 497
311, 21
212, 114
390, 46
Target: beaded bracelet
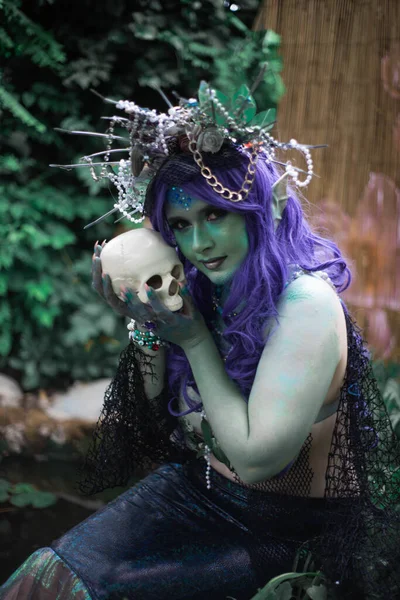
145, 338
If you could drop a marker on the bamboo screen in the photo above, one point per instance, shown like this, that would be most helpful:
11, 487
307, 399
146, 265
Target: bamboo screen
342, 74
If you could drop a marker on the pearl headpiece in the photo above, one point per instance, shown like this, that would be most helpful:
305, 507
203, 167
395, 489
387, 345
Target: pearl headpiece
197, 126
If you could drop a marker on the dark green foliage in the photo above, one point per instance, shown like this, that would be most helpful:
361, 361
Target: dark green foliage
388, 378
295, 586
241, 64
25, 494
53, 328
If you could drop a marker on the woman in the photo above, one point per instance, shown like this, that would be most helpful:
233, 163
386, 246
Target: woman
274, 439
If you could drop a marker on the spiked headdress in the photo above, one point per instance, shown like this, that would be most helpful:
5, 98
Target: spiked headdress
203, 128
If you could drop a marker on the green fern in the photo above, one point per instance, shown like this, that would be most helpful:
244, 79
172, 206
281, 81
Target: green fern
59, 330
7, 100
43, 49
5, 41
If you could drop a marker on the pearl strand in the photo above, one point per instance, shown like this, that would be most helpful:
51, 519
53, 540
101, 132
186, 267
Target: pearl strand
321, 274
293, 173
207, 456
103, 170
135, 125
124, 183
272, 144
163, 122
223, 111
141, 131
110, 132
161, 136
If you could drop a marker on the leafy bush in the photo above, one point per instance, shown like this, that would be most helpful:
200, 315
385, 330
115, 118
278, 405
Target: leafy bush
51, 321
53, 328
25, 494
388, 378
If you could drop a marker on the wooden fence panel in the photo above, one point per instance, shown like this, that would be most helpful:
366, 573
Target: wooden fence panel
342, 73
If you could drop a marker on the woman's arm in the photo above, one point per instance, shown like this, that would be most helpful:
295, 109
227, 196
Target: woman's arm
152, 369
292, 379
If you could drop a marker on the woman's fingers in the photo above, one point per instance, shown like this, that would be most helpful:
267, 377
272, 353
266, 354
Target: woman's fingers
98, 248
136, 309
187, 299
97, 282
161, 312
112, 299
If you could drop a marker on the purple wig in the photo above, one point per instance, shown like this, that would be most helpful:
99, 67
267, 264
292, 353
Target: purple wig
261, 277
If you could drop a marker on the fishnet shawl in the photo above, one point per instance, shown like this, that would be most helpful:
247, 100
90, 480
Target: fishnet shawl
361, 550
359, 547
133, 433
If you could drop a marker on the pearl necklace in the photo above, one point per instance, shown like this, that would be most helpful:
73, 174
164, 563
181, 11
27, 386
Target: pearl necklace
218, 309
207, 456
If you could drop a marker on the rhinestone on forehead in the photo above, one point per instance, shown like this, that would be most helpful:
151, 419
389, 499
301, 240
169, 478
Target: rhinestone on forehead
178, 197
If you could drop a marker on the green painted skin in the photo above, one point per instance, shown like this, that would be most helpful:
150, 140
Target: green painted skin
295, 369
204, 232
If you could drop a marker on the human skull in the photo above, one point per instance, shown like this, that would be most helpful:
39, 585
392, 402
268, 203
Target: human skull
141, 256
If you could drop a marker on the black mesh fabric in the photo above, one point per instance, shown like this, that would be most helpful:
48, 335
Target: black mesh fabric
361, 550
358, 550
296, 480
133, 433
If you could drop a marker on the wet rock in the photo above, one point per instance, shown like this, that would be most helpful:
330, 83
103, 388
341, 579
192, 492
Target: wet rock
52, 427
83, 401
10, 393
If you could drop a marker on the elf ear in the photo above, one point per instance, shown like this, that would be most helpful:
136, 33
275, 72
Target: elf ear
279, 198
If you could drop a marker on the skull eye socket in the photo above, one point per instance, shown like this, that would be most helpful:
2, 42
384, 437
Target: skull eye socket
155, 282
176, 271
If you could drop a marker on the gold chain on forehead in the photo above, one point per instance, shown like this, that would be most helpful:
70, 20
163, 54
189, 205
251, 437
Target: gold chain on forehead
233, 196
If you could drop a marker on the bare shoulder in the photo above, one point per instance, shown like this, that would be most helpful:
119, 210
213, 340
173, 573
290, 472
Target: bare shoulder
309, 304
310, 291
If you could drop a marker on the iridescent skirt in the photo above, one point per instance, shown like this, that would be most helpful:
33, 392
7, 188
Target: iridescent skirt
169, 537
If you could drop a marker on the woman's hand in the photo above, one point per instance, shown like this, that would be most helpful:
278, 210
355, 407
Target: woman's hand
185, 327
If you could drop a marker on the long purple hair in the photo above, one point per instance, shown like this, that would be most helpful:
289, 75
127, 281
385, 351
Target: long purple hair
261, 277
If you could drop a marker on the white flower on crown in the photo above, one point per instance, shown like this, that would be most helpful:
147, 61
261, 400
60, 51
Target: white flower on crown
175, 112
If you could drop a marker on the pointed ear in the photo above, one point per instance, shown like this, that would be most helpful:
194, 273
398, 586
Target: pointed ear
279, 198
